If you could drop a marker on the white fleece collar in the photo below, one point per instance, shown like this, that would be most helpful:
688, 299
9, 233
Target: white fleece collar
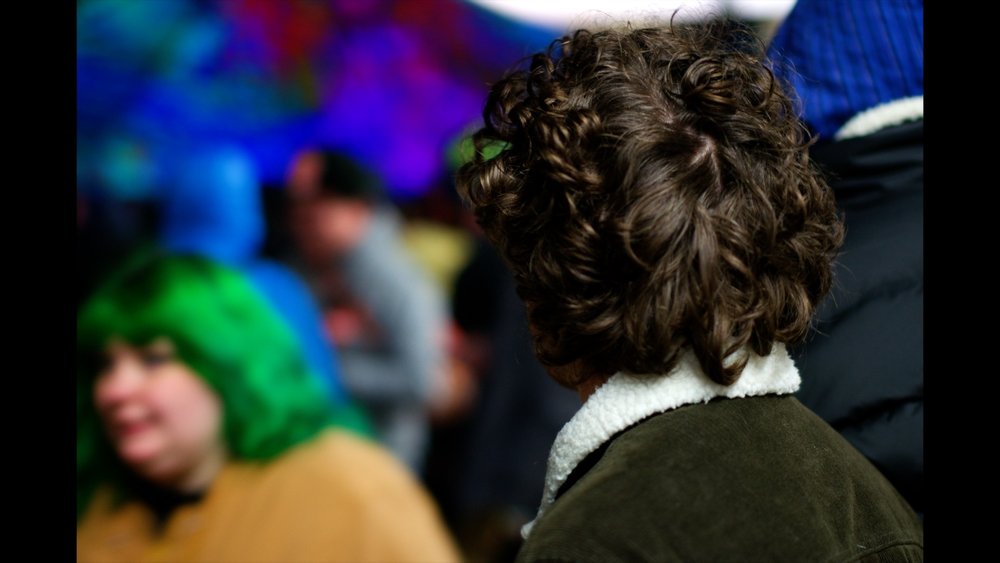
881, 116
625, 399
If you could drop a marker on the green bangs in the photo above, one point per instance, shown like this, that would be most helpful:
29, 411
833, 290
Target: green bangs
226, 332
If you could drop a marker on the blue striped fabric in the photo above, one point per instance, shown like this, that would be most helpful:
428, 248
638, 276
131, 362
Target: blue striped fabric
846, 56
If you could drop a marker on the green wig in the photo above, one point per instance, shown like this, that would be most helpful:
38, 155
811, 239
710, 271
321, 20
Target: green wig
224, 331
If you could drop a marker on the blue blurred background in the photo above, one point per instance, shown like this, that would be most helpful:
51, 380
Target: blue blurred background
392, 83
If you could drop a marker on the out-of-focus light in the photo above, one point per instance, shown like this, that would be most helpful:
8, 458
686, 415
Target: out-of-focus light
562, 14
760, 10
565, 14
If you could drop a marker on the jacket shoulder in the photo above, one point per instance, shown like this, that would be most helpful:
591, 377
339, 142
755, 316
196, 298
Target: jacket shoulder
720, 480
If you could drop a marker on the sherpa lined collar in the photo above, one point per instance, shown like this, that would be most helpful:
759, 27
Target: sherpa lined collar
624, 400
882, 116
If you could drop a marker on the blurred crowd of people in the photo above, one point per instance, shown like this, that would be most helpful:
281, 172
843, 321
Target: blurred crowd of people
435, 365
260, 366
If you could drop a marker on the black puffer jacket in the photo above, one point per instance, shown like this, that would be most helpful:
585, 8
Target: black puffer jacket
862, 369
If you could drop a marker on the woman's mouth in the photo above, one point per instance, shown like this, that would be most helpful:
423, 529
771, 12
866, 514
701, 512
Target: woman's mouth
127, 429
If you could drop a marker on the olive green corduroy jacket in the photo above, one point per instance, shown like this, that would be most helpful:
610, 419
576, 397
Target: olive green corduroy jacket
749, 479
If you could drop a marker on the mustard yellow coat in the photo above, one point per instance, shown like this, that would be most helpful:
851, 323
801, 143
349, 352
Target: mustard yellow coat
336, 498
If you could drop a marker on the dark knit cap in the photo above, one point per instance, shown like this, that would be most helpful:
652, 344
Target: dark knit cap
344, 176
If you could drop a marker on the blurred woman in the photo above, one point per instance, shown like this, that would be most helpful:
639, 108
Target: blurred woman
202, 436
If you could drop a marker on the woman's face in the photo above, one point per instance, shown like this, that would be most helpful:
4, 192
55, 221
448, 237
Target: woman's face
161, 417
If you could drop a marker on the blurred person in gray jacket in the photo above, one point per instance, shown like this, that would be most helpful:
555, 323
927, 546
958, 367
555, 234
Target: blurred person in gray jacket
386, 318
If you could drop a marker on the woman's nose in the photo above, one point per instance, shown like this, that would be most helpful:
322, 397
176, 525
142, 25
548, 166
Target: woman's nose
117, 383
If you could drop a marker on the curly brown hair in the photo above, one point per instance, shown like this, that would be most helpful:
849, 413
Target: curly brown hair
654, 193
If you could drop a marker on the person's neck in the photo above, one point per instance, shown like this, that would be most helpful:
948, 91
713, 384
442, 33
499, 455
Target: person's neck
577, 370
586, 388
199, 478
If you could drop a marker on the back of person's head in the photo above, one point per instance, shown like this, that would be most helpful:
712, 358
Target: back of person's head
849, 56
654, 194
214, 205
224, 331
